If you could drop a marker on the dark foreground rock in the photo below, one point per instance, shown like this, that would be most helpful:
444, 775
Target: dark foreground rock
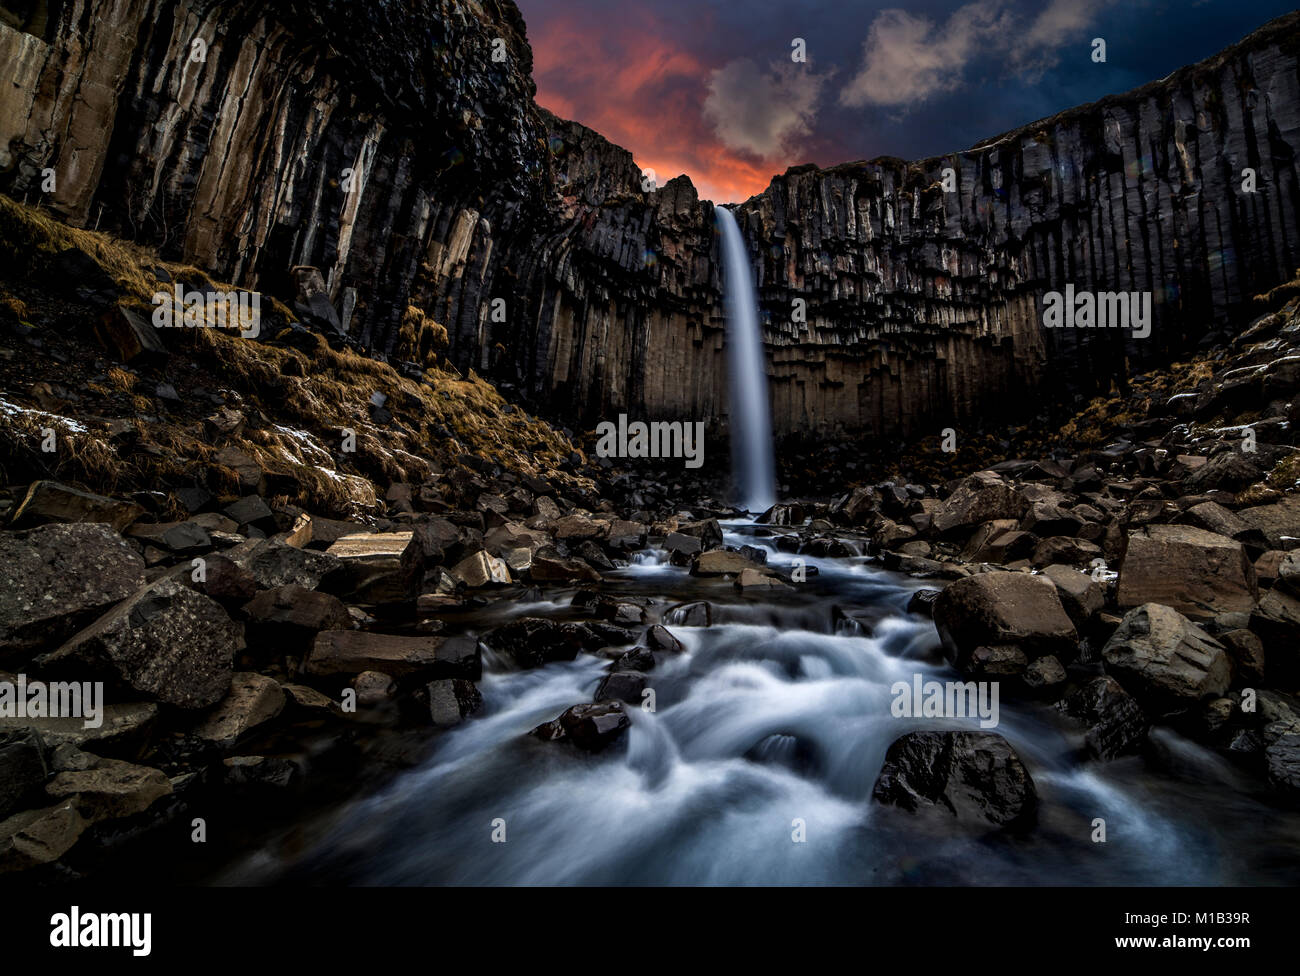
975, 776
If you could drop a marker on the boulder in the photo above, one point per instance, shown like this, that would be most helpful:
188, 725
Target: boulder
975, 776
548, 566
1166, 660
1278, 523
275, 564
530, 642
1196, 572
993, 609
252, 699
980, 498
1081, 596
1115, 720
592, 727
35, 837
288, 618
624, 686
354, 651
660, 638
111, 789
451, 700
1282, 759
720, 562
481, 569
165, 642
49, 501
56, 577
377, 567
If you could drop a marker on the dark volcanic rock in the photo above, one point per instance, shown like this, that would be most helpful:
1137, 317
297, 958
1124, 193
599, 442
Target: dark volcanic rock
1161, 656
592, 727
531, 642
54, 577
975, 776
993, 609
1115, 720
165, 641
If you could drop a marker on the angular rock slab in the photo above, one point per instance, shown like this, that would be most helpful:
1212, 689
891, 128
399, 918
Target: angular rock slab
1159, 655
53, 577
166, 642
1196, 572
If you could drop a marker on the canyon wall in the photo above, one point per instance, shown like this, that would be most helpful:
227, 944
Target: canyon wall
396, 146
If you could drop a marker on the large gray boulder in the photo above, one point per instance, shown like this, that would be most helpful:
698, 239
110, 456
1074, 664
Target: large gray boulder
166, 642
56, 577
1003, 609
1164, 659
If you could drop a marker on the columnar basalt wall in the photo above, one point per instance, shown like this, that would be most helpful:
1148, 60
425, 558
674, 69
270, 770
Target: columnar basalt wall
396, 146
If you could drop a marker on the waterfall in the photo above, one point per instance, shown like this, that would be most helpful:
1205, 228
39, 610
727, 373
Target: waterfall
752, 463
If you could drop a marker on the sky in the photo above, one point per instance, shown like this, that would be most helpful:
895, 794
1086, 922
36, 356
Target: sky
710, 88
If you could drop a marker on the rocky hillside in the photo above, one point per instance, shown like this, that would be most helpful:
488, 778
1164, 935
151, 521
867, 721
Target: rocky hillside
396, 148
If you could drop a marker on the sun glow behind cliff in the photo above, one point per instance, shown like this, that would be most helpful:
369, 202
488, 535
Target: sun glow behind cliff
752, 464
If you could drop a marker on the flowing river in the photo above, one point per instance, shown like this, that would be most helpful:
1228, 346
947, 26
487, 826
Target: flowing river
771, 715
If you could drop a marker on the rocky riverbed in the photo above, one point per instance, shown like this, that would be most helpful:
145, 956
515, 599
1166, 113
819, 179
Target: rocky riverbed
626, 688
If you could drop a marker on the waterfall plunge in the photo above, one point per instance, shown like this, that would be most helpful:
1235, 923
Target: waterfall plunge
752, 463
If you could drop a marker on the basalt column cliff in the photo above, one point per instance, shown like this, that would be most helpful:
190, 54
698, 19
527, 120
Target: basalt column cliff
396, 147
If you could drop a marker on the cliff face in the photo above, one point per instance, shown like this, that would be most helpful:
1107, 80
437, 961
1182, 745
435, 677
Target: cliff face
396, 146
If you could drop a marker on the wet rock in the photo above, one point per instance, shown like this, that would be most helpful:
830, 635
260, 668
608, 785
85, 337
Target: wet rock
1283, 764
165, 642
451, 700
637, 659
1196, 572
1044, 675
992, 609
760, 580
252, 700
790, 514
49, 501
592, 727
1165, 659
624, 686
354, 651
1116, 723
699, 614
660, 638
975, 776
922, 602
531, 642
54, 578
680, 542
308, 699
